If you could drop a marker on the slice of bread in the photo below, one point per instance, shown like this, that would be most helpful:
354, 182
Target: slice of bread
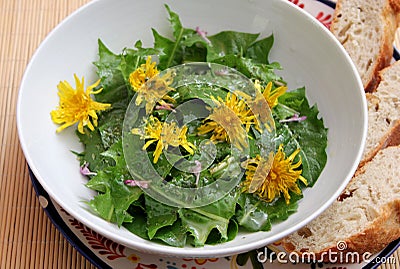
383, 112
365, 218
367, 29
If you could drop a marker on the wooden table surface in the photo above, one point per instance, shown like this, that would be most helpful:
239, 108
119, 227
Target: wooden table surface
27, 237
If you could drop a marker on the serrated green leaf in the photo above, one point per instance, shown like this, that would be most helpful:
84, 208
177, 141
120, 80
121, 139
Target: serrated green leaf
102, 204
159, 215
99, 182
259, 50
138, 225
215, 236
309, 135
251, 68
253, 214
110, 126
122, 197
200, 221
166, 47
112, 80
93, 145
174, 235
114, 203
196, 91
229, 43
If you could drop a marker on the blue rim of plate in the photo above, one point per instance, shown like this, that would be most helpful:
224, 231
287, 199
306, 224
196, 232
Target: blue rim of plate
61, 226
328, 3
75, 242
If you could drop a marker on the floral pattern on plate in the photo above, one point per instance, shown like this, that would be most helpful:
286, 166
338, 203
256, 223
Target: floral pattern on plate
322, 12
119, 256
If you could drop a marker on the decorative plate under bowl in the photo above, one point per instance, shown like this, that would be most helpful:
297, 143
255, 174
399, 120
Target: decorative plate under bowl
105, 253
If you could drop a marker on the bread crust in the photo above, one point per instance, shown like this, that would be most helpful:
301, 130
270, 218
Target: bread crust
395, 4
391, 138
394, 138
376, 236
382, 227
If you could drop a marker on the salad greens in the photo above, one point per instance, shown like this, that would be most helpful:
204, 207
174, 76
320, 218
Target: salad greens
122, 201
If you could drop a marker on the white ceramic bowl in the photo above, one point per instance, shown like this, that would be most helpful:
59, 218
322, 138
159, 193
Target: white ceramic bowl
310, 56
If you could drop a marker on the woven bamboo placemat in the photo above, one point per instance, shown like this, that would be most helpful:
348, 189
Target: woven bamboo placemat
27, 237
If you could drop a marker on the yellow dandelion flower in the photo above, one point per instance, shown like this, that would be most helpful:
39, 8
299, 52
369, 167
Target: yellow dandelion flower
165, 134
155, 90
189, 147
232, 112
270, 95
142, 74
257, 106
77, 105
281, 178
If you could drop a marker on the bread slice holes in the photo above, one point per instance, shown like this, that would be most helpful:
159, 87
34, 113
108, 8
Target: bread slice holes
344, 41
304, 232
388, 121
346, 194
344, 30
369, 63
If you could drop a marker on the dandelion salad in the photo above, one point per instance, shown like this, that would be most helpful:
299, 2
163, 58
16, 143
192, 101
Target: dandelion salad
194, 139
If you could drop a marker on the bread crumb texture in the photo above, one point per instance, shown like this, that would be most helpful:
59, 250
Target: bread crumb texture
366, 216
383, 112
366, 29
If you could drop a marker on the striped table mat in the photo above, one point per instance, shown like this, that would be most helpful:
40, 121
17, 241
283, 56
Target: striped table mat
27, 237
